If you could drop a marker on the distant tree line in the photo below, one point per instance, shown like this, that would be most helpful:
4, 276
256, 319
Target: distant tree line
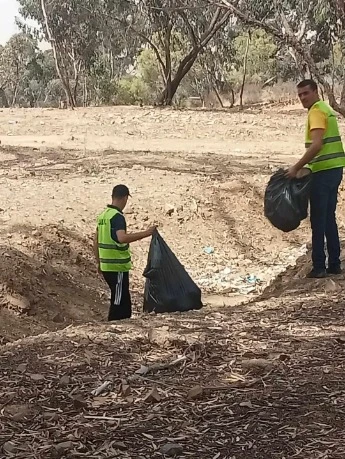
170, 51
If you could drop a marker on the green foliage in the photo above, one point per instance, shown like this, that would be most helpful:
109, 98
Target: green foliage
130, 52
148, 69
261, 62
105, 90
54, 91
24, 70
73, 24
132, 90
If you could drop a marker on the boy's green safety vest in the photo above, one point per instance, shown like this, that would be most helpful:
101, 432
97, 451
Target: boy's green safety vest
332, 153
113, 256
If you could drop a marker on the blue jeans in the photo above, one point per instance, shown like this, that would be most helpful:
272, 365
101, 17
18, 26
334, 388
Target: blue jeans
323, 204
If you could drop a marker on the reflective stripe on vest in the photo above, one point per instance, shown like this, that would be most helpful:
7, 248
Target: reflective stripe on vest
115, 260
317, 159
328, 140
114, 246
332, 153
113, 256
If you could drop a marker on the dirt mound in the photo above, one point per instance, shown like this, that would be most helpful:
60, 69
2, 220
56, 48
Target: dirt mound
48, 280
293, 282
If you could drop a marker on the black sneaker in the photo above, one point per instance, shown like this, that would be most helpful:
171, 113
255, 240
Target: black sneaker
334, 270
317, 274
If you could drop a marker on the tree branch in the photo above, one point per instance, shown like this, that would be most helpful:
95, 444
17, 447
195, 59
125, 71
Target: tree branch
167, 49
145, 38
189, 27
250, 20
291, 39
136, 32
171, 9
206, 37
214, 27
214, 19
301, 32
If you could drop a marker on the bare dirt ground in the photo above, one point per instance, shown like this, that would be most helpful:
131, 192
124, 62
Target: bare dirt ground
260, 369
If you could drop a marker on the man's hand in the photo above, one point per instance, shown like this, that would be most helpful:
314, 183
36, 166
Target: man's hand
292, 172
151, 230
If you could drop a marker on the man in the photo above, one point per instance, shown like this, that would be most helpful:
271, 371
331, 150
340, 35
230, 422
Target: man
111, 247
326, 158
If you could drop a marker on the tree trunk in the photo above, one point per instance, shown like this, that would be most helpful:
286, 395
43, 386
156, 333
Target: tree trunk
3, 98
75, 91
322, 93
245, 62
218, 96
85, 91
70, 100
172, 84
168, 69
232, 103
15, 93
77, 69
64, 78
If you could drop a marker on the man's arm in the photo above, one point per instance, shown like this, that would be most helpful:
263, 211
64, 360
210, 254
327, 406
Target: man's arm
119, 231
95, 247
317, 124
125, 238
316, 145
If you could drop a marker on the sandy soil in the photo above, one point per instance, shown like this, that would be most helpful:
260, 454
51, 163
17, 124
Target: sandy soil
200, 176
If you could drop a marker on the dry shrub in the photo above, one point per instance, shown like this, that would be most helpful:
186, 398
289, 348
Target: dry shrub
252, 94
280, 92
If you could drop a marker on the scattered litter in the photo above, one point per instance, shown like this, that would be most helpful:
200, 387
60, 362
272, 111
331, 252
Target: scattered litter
252, 279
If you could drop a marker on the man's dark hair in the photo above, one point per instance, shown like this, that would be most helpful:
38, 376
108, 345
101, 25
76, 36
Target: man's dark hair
309, 82
120, 191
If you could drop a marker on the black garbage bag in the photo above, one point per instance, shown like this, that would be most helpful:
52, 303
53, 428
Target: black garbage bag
286, 200
168, 286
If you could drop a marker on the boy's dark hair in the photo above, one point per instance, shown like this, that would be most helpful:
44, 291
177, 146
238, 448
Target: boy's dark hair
308, 82
120, 191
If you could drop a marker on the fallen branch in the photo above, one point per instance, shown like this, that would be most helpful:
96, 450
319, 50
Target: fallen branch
144, 370
104, 418
103, 387
239, 385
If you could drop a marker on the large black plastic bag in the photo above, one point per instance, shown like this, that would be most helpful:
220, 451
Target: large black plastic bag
286, 200
168, 286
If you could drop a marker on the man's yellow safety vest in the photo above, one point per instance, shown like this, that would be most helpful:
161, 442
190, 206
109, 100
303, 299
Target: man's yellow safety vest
331, 155
113, 256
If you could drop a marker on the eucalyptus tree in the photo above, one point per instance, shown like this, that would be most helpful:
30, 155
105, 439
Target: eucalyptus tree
309, 28
160, 24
